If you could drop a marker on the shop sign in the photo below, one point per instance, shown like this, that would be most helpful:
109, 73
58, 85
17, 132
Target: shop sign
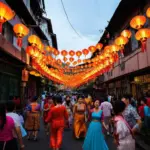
142, 79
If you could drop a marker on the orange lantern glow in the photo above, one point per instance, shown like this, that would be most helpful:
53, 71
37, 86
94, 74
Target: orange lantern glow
64, 53
137, 22
56, 52
92, 49
79, 53
142, 35
85, 52
79, 60
30, 50
114, 48
71, 53
20, 31
5, 14
121, 41
148, 12
99, 46
68, 63
65, 59
71, 59
126, 33
34, 40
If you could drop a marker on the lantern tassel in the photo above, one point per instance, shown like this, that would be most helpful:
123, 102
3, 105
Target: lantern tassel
122, 54
1, 27
143, 46
19, 42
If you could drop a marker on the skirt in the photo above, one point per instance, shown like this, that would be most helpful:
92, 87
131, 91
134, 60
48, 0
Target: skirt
94, 139
79, 125
32, 122
9, 145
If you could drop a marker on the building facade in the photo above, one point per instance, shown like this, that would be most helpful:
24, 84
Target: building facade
13, 59
132, 73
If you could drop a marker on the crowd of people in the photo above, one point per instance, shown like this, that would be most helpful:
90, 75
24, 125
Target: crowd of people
89, 119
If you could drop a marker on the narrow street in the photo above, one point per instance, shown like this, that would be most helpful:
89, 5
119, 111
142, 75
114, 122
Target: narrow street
69, 143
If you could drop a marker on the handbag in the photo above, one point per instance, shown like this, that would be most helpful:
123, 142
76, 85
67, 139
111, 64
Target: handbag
23, 131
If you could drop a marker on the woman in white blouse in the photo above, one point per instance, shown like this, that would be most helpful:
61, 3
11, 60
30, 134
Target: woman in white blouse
123, 133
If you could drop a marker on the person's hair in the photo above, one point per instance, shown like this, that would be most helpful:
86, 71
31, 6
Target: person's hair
80, 96
34, 99
143, 99
10, 106
2, 116
118, 107
58, 99
67, 97
127, 96
105, 98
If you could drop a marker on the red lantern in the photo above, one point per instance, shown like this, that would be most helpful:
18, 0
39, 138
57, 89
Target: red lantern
79, 53
30, 50
92, 49
71, 59
71, 53
99, 46
64, 53
65, 59
85, 52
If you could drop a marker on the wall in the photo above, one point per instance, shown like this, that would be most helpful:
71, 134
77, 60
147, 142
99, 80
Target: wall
133, 62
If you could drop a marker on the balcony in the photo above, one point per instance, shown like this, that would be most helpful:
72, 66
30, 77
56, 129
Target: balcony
132, 63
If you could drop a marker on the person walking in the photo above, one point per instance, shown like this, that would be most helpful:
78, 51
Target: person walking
56, 118
32, 123
123, 133
20, 132
7, 127
69, 106
130, 114
94, 139
47, 107
79, 114
107, 107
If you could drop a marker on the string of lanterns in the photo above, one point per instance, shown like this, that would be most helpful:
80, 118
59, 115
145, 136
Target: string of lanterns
70, 71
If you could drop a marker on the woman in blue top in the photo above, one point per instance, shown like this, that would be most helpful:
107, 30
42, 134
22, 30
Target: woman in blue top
94, 138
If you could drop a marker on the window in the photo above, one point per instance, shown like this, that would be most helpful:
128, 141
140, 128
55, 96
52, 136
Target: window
8, 32
134, 42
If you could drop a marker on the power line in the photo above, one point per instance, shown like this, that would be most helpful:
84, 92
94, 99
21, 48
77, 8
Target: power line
69, 20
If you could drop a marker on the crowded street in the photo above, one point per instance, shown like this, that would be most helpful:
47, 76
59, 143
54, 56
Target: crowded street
74, 75
69, 143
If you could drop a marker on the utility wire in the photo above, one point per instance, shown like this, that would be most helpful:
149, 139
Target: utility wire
69, 20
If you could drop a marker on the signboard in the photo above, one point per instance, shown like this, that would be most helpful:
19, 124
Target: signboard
142, 79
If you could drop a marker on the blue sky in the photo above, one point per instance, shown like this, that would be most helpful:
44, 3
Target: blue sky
87, 17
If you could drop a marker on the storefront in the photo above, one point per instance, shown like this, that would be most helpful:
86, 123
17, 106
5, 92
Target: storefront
140, 85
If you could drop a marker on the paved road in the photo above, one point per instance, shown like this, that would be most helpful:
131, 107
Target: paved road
69, 143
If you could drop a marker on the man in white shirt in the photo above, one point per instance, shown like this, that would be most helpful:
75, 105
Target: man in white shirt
106, 108
10, 112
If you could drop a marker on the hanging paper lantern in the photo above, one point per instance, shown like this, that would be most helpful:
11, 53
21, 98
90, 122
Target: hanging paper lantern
71, 53
79, 60
34, 40
64, 53
65, 59
71, 59
74, 63
114, 48
126, 33
142, 35
85, 52
20, 31
99, 46
137, 22
68, 63
92, 49
121, 41
78, 53
30, 50
56, 52
5, 14
148, 12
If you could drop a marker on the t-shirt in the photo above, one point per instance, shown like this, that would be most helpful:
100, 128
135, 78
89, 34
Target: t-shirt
6, 133
16, 118
147, 111
106, 107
